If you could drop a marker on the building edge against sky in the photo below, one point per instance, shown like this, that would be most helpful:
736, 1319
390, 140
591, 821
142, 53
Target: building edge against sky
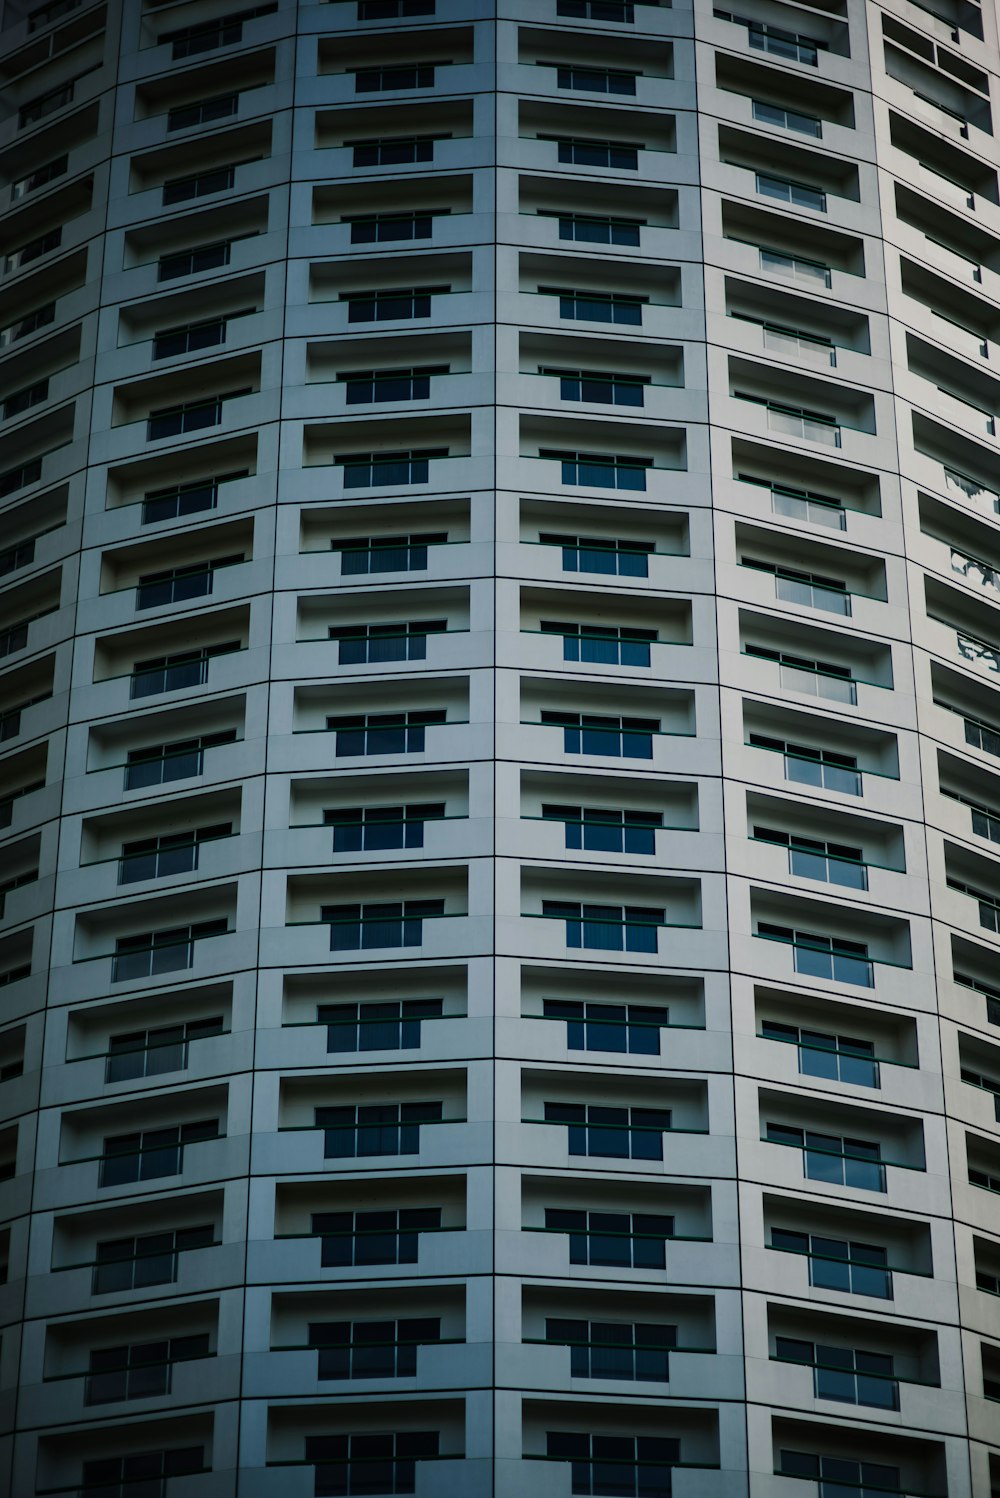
499, 749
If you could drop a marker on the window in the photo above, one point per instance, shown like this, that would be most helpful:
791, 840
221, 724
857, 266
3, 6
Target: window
819, 678
139, 1370
815, 858
394, 150
185, 499
28, 324
368, 644
386, 10
165, 951
183, 189
390, 305
629, 1029
789, 45
604, 645
796, 421
985, 821
388, 79
220, 107
173, 673
45, 104
989, 905
826, 1157
367, 386
622, 1466
179, 584
383, 733
837, 1476
372, 1349
188, 338
613, 1133
15, 557
843, 1373
140, 1474
826, 768
987, 1083
364, 828
368, 554
599, 10
600, 387
597, 306
157, 764
352, 1131
795, 267
33, 250
790, 340
151, 1259
379, 228
839, 1058
607, 928
148, 1154
151, 1053
589, 229
13, 639
819, 956
799, 194
812, 589
190, 262
356, 1464
982, 736
835, 1264
594, 733
621, 1240
24, 399
170, 853
189, 416
596, 80
367, 470
385, 1237
39, 177
614, 1349
602, 554
991, 995
600, 470
393, 923
984, 1179
19, 478
385, 1025
7, 803
611, 154
786, 119
206, 36
601, 830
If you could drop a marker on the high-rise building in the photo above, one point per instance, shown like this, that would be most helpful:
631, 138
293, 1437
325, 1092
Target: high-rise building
499, 749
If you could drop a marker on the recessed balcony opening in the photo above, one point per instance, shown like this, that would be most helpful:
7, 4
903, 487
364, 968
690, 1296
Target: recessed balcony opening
161, 241
816, 1451
174, 91
627, 1013
390, 289
782, 99
836, 848
833, 1039
792, 250
404, 1013
396, 49
187, 482
808, 661
360, 1336
191, 169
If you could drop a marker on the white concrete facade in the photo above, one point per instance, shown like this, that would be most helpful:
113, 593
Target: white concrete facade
576, 423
